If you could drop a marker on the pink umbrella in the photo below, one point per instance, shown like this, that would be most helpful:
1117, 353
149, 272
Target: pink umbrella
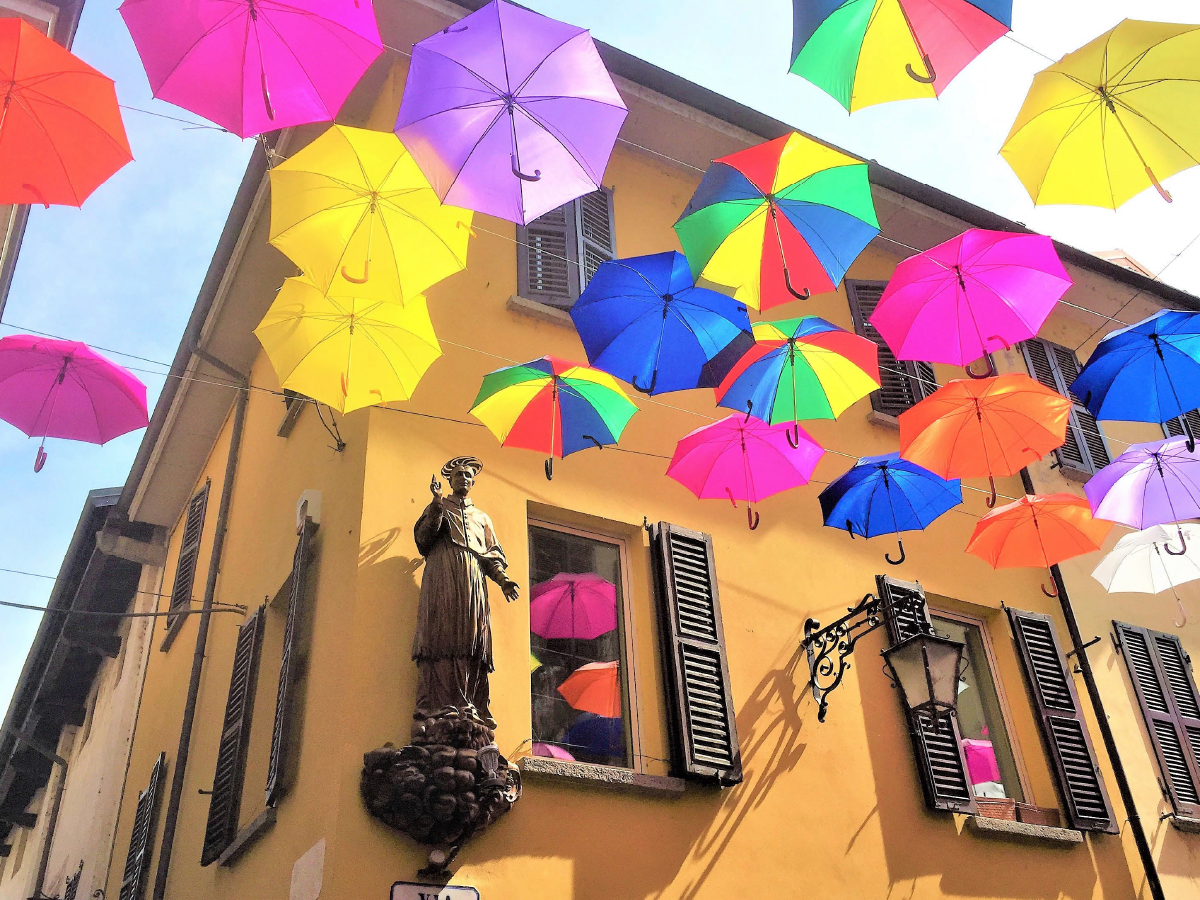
976, 293
573, 606
255, 65
551, 750
64, 389
743, 458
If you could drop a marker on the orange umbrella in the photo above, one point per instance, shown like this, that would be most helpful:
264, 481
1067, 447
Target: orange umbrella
61, 134
594, 688
984, 427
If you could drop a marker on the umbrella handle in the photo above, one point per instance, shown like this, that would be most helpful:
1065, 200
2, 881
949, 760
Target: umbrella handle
989, 373
752, 518
990, 500
903, 555
1162, 191
749, 409
645, 390
536, 176
1052, 593
266, 94
39, 460
457, 28
850, 529
793, 436
729, 494
924, 79
599, 446
1182, 546
33, 190
787, 283
549, 467
366, 274
461, 224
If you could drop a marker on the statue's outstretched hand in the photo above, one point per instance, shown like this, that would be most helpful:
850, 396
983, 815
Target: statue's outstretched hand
435, 488
512, 590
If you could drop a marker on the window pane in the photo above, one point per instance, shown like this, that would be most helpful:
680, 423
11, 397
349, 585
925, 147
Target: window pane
577, 648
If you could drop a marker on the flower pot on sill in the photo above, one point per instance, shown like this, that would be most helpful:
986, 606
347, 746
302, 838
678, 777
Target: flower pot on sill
997, 808
1038, 815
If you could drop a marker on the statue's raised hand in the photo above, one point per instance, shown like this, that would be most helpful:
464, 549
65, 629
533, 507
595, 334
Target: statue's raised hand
435, 488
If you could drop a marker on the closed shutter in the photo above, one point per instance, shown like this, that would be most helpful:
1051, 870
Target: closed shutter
1056, 705
138, 858
704, 744
1056, 367
1166, 693
224, 806
71, 888
937, 744
597, 232
560, 251
902, 384
189, 553
1189, 422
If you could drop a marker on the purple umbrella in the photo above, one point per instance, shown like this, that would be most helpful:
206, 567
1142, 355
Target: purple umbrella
510, 113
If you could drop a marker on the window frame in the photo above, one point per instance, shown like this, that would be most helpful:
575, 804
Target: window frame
576, 245
1074, 429
919, 386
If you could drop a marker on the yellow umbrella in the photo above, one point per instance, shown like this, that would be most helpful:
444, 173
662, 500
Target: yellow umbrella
347, 353
355, 213
1111, 119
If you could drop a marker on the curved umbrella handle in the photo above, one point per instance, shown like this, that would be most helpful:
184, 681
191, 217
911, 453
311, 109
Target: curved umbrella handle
749, 409
1052, 593
787, 283
793, 436
996, 337
752, 518
1191, 443
1162, 191
729, 494
599, 446
536, 176
903, 555
990, 500
645, 390
456, 28
366, 274
1182, 546
924, 79
266, 94
33, 190
549, 467
990, 372
850, 529
39, 460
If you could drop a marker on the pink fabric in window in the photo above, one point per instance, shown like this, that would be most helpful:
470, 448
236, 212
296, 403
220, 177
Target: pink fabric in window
981, 761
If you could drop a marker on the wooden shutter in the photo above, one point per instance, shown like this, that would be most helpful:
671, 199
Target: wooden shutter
902, 384
1166, 692
548, 256
1056, 705
1176, 427
71, 888
278, 770
138, 858
597, 233
189, 552
704, 744
1056, 367
224, 806
937, 745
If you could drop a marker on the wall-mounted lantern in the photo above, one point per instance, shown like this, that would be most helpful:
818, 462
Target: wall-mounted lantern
927, 668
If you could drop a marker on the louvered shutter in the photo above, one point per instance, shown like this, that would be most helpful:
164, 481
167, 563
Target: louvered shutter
902, 384
597, 233
189, 552
1056, 705
547, 258
1180, 426
138, 858
71, 888
224, 806
937, 744
1166, 693
1056, 367
278, 770
704, 744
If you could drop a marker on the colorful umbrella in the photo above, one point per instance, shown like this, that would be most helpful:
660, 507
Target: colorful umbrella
975, 293
887, 495
863, 52
541, 748
598, 735
554, 406
742, 458
644, 318
1138, 564
595, 688
510, 113
976, 429
355, 213
534, 663
779, 221
1111, 119
254, 66
64, 389
570, 605
61, 134
345, 352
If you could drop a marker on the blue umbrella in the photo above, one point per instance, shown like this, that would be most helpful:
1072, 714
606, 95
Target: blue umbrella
886, 495
644, 320
598, 735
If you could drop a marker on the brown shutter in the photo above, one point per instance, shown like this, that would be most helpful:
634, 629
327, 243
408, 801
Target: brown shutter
547, 258
189, 552
1056, 704
1176, 427
704, 744
597, 232
136, 861
902, 384
1166, 692
1056, 367
224, 806
937, 746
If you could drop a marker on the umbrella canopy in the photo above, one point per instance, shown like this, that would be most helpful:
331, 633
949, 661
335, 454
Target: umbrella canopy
355, 213
1149, 484
974, 294
510, 113
1112, 118
644, 320
1140, 563
1037, 532
345, 352
570, 605
779, 221
863, 52
598, 735
254, 66
1148, 372
540, 748
595, 688
61, 134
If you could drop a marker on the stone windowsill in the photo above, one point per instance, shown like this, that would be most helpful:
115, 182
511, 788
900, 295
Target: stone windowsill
1004, 829
173, 628
539, 311
607, 777
1077, 475
247, 836
1184, 823
875, 417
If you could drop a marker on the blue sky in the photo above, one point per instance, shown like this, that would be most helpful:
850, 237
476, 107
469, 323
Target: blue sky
123, 272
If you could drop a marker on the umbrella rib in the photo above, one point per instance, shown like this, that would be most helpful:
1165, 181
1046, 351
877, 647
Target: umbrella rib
50, 100
1129, 137
299, 64
234, 14
470, 153
541, 63
49, 140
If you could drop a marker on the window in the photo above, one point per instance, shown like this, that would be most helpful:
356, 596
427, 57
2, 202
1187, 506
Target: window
559, 252
1056, 367
1188, 423
902, 384
187, 562
137, 860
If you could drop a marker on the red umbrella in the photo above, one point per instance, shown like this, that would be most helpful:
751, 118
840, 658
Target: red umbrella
594, 688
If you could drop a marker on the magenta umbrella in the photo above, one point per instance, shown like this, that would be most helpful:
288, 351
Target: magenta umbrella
975, 293
743, 458
64, 389
573, 606
255, 65
510, 113
541, 748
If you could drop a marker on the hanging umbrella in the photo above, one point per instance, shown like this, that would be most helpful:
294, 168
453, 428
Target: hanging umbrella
644, 319
742, 458
863, 52
254, 66
598, 735
887, 495
570, 605
345, 352
554, 406
61, 134
595, 688
975, 293
541, 748
780, 221
802, 368
977, 429
1138, 564
64, 389
1112, 118
534, 663
510, 113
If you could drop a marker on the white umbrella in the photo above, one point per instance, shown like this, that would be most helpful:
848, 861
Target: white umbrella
1142, 562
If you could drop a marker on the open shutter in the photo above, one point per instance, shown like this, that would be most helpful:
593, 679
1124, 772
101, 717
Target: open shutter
902, 384
547, 258
704, 744
937, 744
597, 232
1166, 693
224, 806
138, 858
1056, 367
1179, 427
189, 552
278, 770
1056, 705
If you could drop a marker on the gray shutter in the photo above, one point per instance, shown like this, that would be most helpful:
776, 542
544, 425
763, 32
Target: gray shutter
597, 232
937, 745
1056, 367
189, 552
902, 384
547, 258
71, 888
704, 744
224, 806
138, 858
1166, 692
1176, 427
1056, 705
